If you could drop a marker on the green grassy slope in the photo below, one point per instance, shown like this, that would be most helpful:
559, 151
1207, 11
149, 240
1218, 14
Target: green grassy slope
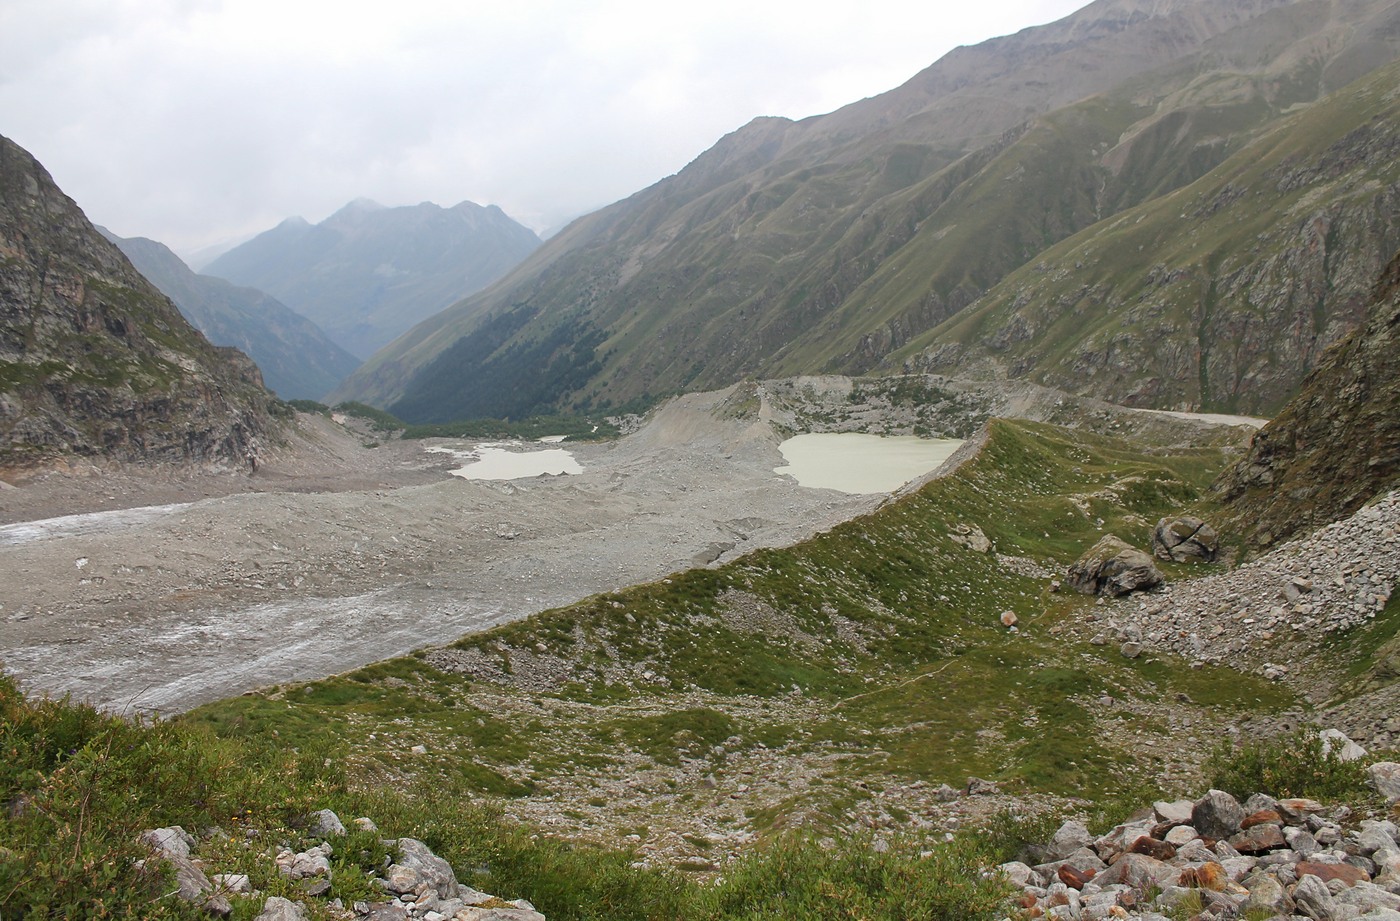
80, 788
1218, 296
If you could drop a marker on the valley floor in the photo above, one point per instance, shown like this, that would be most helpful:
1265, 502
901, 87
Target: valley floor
334, 554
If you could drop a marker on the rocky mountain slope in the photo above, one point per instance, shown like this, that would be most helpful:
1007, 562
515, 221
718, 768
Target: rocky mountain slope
296, 359
367, 273
1220, 295
1337, 443
826, 244
96, 362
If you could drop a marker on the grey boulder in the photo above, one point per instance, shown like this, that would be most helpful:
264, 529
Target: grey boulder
1113, 567
1185, 539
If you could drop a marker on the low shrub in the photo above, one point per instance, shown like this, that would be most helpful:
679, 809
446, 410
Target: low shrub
796, 879
1289, 766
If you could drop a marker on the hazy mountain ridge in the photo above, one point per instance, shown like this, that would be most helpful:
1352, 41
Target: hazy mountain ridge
94, 361
367, 273
296, 358
821, 245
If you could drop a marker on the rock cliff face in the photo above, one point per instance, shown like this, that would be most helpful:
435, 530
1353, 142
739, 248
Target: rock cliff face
1337, 444
94, 361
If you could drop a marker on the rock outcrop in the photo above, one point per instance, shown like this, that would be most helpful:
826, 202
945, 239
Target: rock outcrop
1337, 444
94, 361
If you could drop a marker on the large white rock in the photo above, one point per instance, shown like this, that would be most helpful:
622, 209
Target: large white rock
1336, 741
1385, 778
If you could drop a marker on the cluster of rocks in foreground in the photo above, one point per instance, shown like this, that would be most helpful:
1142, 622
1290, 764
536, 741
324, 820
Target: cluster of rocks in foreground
417, 885
1217, 858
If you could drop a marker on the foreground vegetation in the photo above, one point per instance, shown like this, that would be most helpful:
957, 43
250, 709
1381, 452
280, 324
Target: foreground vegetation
81, 786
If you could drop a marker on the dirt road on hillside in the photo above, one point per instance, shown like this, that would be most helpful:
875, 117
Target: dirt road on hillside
173, 590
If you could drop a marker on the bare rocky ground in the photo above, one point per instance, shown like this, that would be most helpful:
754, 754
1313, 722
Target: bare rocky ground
191, 587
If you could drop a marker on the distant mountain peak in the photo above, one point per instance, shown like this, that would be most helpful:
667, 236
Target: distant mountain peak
328, 272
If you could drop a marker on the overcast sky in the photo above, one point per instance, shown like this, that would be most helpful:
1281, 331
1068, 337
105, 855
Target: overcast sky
197, 121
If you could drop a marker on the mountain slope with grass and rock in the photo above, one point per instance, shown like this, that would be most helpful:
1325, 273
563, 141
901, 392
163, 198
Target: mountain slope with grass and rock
839, 242
95, 363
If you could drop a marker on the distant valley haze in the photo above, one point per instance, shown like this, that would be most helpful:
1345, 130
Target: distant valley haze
203, 124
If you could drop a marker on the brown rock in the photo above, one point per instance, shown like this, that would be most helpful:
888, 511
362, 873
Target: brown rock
1112, 845
1137, 871
1159, 850
1262, 817
1258, 839
1209, 875
1329, 871
1075, 879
